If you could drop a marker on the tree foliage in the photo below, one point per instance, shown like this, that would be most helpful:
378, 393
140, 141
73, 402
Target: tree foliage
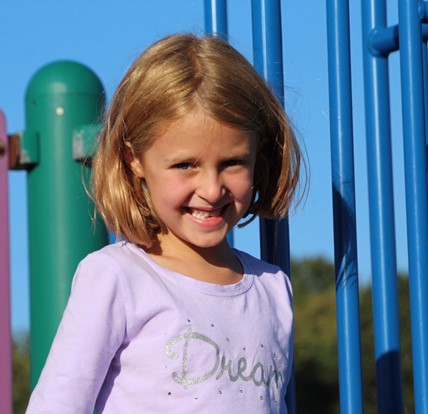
316, 364
315, 336
21, 374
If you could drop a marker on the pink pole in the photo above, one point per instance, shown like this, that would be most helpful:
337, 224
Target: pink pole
5, 331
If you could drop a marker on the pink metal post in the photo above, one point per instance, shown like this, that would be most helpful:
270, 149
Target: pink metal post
5, 333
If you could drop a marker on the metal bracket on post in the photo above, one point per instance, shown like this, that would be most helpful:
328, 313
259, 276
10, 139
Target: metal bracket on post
2, 149
23, 150
84, 140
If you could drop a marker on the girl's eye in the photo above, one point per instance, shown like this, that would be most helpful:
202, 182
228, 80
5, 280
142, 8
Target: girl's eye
183, 166
233, 163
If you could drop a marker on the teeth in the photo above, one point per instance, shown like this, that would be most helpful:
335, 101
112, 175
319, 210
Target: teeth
205, 214
200, 214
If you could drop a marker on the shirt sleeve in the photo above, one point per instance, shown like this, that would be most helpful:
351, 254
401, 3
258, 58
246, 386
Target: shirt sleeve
92, 329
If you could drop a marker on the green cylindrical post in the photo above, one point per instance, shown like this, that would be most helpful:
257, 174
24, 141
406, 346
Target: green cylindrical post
60, 98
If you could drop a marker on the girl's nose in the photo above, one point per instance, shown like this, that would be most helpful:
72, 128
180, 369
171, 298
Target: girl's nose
210, 187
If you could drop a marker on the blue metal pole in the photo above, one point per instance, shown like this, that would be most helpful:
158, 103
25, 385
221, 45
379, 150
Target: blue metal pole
381, 210
342, 159
416, 191
215, 12
385, 40
423, 12
267, 48
267, 43
425, 75
216, 17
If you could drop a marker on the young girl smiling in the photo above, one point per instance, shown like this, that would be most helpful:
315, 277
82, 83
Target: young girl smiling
172, 319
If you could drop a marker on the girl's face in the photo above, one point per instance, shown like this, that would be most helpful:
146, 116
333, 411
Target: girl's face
199, 174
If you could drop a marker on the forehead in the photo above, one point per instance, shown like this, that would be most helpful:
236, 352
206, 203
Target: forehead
197, 131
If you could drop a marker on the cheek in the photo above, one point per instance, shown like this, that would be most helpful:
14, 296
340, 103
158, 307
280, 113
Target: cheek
168, 190
243, 187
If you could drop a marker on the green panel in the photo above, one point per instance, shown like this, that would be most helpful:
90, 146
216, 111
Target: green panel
60, 97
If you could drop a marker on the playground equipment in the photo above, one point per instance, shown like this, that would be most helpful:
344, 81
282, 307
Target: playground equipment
64, 101
378, 42
267, 51
71, 113
381, 42
5, 341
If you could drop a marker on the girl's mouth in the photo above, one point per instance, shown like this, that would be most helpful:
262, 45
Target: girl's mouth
204, 214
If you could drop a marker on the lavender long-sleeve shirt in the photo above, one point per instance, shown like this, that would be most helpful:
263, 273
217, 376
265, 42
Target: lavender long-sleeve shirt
138, 338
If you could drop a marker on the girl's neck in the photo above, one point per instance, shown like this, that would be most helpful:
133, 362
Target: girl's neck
217, 264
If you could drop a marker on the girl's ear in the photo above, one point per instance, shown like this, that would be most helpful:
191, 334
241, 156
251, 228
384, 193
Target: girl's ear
133, 162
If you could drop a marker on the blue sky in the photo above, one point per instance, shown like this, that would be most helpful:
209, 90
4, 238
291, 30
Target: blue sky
108, 35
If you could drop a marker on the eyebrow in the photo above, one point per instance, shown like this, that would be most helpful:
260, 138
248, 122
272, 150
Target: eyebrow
180, 158
185, 156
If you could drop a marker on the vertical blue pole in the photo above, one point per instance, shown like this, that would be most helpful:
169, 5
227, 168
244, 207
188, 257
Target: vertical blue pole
342, 159
415, 164
216, 17
215, 12
425, 69
425, 75
267, 47
381, 210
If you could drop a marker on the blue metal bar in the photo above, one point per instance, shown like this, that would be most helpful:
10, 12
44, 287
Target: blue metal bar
423, 14
425, 75
342, 158
267, 43
267, 48
425, 32
215, 12
423, 10
381, 210
384, 41
216, 17
415, 164
274, 242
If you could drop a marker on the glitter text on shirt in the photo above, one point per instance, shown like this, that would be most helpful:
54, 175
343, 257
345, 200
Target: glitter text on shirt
222, 365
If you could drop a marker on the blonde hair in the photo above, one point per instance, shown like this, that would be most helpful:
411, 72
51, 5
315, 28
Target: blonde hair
166, 82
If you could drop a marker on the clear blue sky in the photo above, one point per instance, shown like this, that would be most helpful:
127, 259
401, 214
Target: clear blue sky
107, 35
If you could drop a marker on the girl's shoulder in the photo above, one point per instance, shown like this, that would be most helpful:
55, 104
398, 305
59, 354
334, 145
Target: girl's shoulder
117, 254
119, 260
123, 268
256, 266
268, 277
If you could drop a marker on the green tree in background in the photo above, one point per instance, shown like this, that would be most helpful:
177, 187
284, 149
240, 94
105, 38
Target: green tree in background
315, 345
316, 365
368, 352
21, 374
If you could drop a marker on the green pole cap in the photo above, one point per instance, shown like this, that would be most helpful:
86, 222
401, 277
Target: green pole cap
64, 78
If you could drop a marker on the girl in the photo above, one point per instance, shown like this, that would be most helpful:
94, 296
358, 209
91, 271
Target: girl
172, 319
